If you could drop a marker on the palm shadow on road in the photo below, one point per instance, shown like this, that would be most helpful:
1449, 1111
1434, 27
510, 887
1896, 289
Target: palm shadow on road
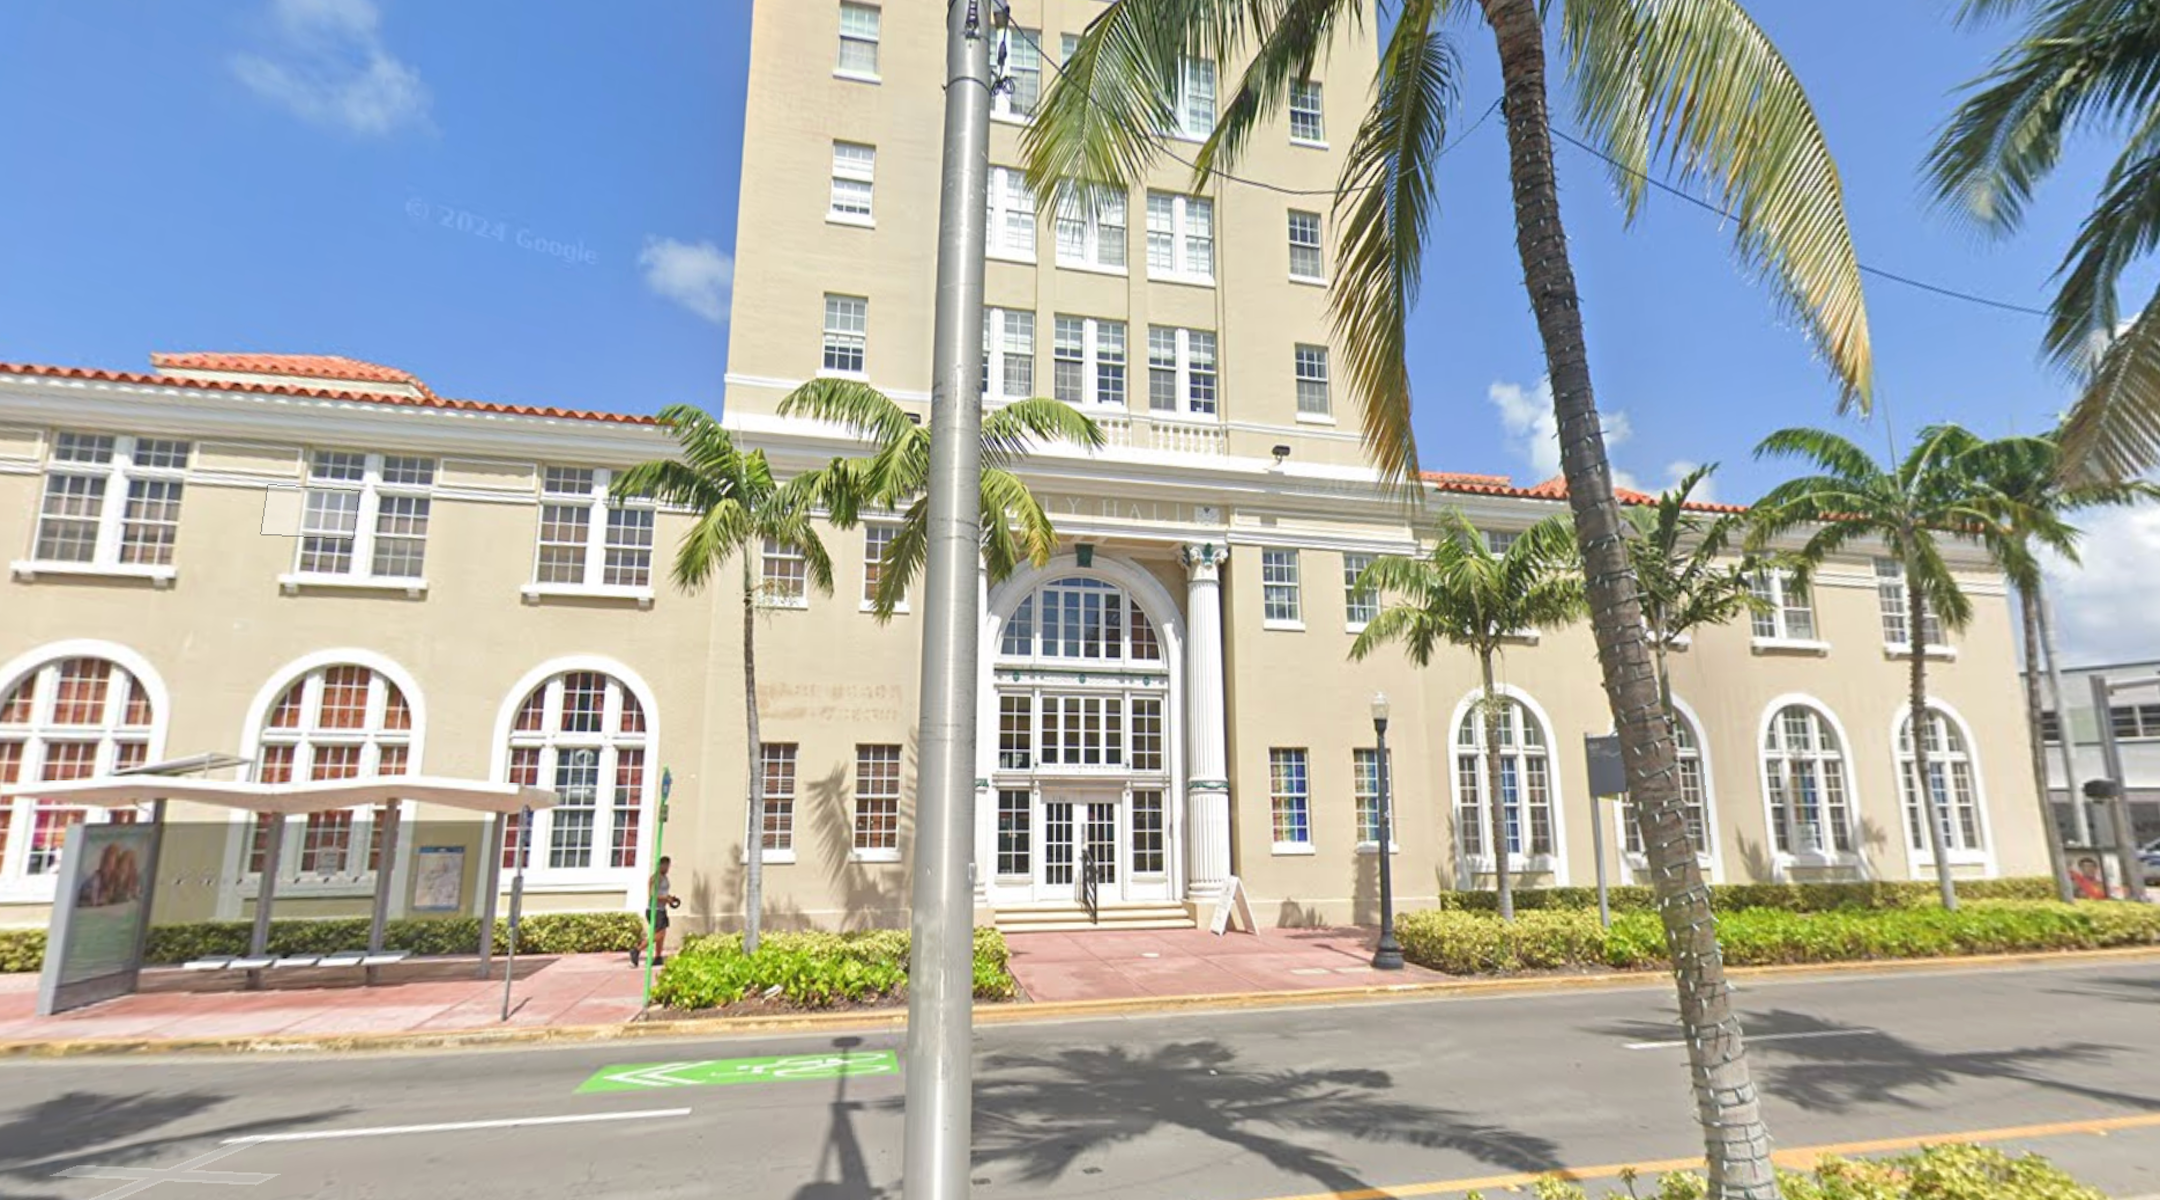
1833, 1067
79, 1129
1039, 1114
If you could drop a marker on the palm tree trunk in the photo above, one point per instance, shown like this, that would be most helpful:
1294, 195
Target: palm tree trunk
2058, 858
1664, 675
1917, 714
754, 844
1736, 1141
1496, 796
2080, 818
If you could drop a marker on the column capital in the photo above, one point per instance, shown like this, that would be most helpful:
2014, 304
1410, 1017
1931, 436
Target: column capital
1203, 560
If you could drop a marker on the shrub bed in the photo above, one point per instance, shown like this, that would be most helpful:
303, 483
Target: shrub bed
540, 933
1792, 897
811, 970
1473, 943
1937, 1173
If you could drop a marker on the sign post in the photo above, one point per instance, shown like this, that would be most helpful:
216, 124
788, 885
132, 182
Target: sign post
652, 902
1608, 777
517, 904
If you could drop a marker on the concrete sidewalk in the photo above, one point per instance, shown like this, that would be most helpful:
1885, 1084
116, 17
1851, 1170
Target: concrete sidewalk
578, 989
1135, 964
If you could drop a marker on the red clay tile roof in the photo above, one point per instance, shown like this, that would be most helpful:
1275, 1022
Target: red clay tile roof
429, 400
316, 366
1552, 489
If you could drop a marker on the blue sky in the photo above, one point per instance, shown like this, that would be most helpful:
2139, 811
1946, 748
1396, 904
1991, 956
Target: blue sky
273, 175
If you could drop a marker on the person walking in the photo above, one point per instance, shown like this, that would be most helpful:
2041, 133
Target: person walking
663, 899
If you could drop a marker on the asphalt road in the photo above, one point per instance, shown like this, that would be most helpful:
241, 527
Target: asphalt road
1243, 1106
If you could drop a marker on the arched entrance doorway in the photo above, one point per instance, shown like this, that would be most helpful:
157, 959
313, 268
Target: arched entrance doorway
1082, 738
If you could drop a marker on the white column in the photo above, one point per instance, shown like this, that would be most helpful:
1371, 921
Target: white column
1207, 761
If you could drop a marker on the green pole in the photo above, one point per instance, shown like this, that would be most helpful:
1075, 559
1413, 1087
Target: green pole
652, 906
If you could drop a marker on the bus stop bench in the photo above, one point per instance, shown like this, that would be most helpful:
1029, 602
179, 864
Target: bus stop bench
344, 958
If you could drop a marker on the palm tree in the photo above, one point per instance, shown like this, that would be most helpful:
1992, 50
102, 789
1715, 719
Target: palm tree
1936, 491
2029, 472
896, 473
738, 509
1693, 83
2077, 66
1685, 575
1464, 594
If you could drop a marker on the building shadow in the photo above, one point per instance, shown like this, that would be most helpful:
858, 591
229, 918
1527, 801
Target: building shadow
1756, 863
2131, 989
1832, 1067
1039, 1114
872, 895
80, 1129
1365, 889
1293, 915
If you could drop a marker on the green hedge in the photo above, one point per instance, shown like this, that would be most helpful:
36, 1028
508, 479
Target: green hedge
812, 970
540, 933
1793, 897
1952, 1172
1466, 943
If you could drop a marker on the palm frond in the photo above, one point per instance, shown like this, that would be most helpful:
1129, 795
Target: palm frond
862, 410
1099, 116
1291, 34
2113, 431
2122, 227
1612, 99
1011, 431
1384, 207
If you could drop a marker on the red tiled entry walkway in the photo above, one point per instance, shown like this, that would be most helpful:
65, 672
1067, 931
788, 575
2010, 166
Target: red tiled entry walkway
577, 989
1128, 964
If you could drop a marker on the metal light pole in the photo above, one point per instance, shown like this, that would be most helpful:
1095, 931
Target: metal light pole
1387, 956
941, 981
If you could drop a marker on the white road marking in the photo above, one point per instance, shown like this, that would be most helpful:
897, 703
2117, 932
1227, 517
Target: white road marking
1768, 1037
322, 1135
141, 1179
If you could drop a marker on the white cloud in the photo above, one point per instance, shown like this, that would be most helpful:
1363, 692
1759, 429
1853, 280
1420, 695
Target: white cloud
697, 275
2104, 610
1526, 417
328, 64
1677, 470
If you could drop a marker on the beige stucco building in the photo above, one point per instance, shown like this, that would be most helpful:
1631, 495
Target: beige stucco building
320, 565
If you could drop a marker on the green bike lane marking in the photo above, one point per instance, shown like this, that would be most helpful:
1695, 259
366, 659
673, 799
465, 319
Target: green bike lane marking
644, 1077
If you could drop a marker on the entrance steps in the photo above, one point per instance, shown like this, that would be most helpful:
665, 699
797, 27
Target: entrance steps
1071, 918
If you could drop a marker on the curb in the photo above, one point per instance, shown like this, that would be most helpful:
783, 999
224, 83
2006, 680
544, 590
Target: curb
879, 1020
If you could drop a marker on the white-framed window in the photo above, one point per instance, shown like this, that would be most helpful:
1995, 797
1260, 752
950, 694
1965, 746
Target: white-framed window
784, 576
847, 334
1008, 354
1083, 619
854, 173
589, 540
584, 736
1804, 775
1010, 231
1360, 604
1181, 371
1952, 778
343, 721
1312, 380
1290, 800
858, 40
1694, 791
1091, 226
1896, 621
1148, 836
1497, 541
2132, 722
1365, 791
70, 718
877, 536
1307, 260
365, 517
1281, 602
111, 501
1194, 105
1791, 616
1180, 237
1525, 782
1113, 728
877, 802
1307, 122
1087, 360
779, 787
1015, 839
1023, 71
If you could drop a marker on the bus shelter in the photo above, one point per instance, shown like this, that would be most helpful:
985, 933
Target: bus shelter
108, 874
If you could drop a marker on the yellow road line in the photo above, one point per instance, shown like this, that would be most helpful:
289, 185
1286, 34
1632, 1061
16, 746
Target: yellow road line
1796, 1158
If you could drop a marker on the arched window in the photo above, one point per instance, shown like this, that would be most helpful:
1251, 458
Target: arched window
1525, 781
71, 718
1950, 778
1694, 791
343, 721
584, 735
1804, 774
1084, 619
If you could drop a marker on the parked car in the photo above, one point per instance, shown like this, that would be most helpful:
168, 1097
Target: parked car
2149, 859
